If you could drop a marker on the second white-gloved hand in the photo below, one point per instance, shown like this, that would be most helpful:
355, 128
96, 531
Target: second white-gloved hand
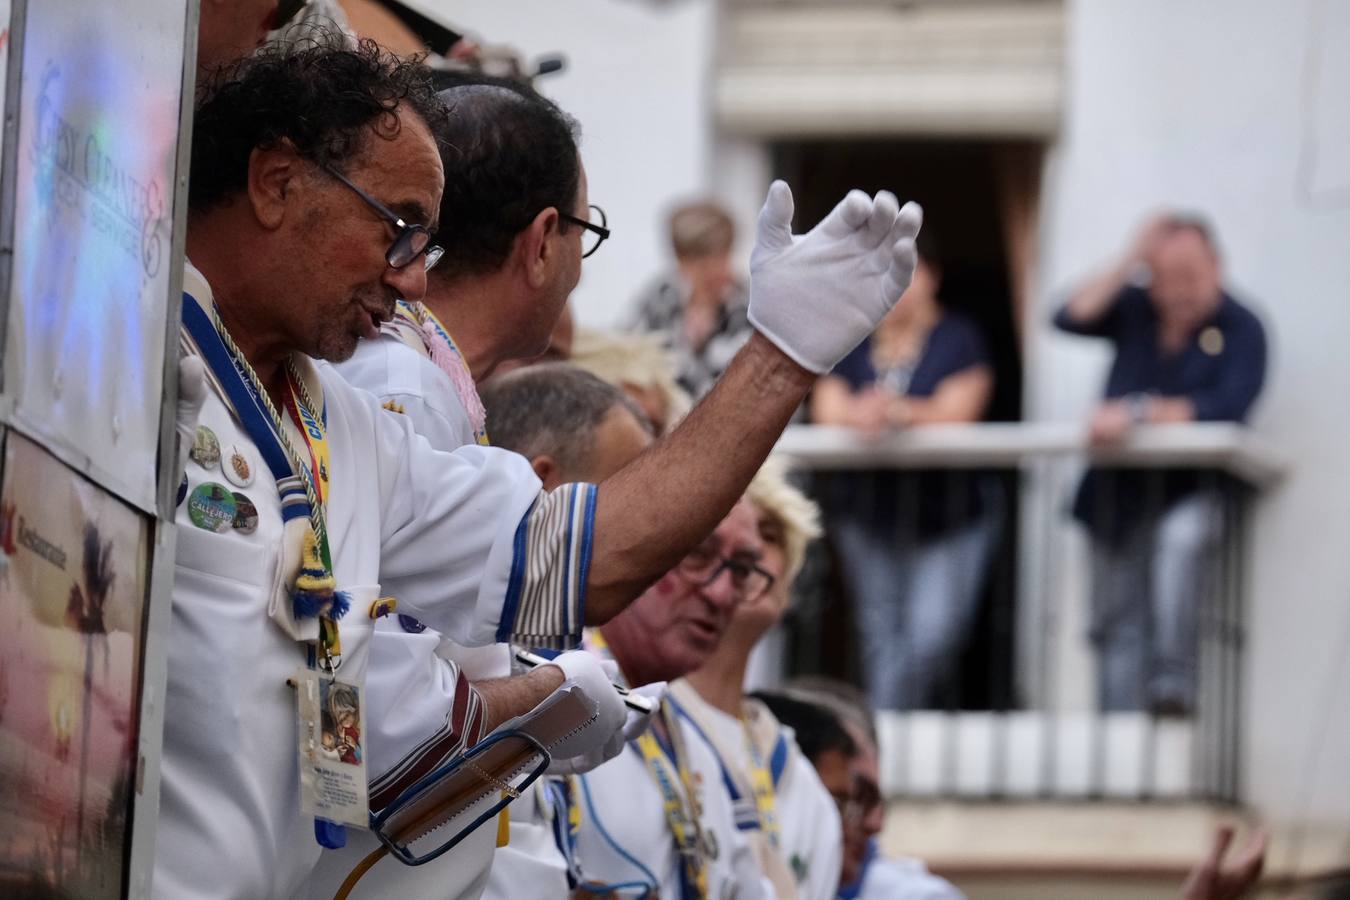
587, 672
817, 295
634, 724
637, 722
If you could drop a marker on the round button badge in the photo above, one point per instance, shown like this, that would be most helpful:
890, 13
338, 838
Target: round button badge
238, 470
245, 514
205, 450
212, 507
1211, 341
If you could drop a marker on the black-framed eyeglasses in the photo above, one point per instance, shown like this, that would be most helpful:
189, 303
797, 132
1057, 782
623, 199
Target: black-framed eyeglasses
410, 241
867, 795
703, 565
850, 808
597, 234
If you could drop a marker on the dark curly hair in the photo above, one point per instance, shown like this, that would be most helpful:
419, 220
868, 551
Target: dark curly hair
509, 153
317, 91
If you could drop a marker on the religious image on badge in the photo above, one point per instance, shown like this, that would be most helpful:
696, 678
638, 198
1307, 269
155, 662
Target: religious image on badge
341, 737
332, 760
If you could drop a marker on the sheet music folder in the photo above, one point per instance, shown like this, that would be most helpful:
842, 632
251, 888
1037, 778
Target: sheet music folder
491, 768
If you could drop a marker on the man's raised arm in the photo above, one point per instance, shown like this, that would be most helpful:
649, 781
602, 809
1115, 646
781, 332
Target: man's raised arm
813, 298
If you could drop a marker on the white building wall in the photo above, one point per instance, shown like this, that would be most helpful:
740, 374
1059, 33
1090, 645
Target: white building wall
636, 78
1213, 105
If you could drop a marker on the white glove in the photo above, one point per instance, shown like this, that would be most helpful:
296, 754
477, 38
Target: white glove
191, 396
586, 671
637, 722
634, 724
818, 295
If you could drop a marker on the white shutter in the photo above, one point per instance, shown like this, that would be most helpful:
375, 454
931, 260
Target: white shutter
798, 69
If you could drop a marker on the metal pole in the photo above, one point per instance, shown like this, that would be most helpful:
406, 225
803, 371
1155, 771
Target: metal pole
154, 658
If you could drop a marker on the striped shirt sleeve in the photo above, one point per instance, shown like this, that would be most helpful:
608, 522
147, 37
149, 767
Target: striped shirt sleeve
463, 726
546, 594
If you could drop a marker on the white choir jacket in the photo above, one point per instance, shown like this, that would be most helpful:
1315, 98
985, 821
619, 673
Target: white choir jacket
445, 533
811, 838
414, 678
403, 378
624, 838
902, 878
531, 865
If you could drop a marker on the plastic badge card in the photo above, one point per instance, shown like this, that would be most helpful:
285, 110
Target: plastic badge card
332, 756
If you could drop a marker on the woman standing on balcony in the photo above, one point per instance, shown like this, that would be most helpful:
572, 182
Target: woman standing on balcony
914, 545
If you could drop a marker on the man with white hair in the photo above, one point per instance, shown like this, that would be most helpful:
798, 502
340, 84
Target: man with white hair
655, 819
791, 818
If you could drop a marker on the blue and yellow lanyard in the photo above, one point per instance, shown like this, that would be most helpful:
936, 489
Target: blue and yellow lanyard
766, 797
682, 818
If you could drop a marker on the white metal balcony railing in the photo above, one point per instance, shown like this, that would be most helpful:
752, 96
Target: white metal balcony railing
1051, 741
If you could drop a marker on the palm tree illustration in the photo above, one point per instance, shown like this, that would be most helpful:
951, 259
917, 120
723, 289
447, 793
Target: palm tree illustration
84, 613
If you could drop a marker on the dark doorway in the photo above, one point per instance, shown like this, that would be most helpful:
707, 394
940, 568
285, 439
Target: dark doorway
979, 200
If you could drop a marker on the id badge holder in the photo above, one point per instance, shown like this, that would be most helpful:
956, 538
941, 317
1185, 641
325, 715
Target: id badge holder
414, 825
332, 752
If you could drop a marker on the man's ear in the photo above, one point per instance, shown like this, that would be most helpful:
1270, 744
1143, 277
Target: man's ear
535, 246
546, 467
273, 175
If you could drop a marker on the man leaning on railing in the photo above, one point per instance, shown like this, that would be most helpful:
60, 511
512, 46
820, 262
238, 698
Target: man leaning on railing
1185, 351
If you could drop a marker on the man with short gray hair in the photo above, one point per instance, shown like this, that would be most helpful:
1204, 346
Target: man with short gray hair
564, 419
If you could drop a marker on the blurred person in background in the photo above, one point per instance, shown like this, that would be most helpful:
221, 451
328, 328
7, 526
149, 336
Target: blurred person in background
1186, 351
700, 309
915, 545
638, 364
788, 814
866, 874
822, 739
